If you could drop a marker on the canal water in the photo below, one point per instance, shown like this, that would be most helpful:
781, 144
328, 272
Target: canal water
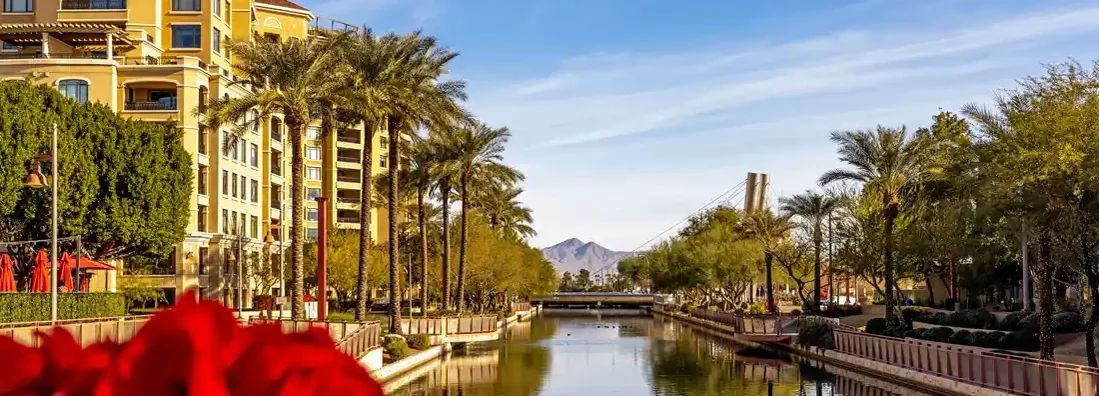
581, 352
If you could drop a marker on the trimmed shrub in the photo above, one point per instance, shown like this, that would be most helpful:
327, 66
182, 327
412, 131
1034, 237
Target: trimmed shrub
814, 334
976, 338
35, 307
1029, 323
992, 339
396, 347
1011, 321
796, 312
938, 334
895, 331
959, 337
914, 333
910, 314
1067, 322
875, 326
419, 341
971, 318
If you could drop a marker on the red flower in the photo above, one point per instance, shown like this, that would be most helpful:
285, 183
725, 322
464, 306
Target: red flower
197, 348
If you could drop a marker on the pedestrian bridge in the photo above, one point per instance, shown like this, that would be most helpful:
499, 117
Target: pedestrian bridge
594, 300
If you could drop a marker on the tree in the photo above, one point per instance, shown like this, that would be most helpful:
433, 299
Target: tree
296, 78
771, 231
891, 165
583, 280
475, 156
506, 214
566, 282
124, 185
813, 209
342, 275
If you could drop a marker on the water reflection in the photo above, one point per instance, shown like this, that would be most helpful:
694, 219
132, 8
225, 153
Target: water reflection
622, 353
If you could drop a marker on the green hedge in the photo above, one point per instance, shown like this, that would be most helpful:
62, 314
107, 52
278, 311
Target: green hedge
35, 307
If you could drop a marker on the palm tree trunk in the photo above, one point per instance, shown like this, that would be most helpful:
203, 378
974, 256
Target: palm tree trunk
444, 191
1093, 319
297, 216
890, 313
394, 253
816, 270
464, 186
770, 284
1043, 284
365, 208
422, 214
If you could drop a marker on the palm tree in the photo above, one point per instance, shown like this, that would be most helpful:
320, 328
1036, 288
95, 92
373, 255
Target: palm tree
506, 214
891, 165
770, 230
813, 208
474, 156
294, 78
421, 161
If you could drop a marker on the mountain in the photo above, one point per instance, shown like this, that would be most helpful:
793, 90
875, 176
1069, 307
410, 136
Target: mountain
572, 255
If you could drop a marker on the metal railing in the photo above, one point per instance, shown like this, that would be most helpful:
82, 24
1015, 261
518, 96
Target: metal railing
345, 158
450, 325
169, 105
348, 179
152, 60
322, 23
276, 135
349, 139
746, 324
337, 330
520, 306
348, 200
347, 219
85, 331
93, 4
39, 55
977, 366
367, 337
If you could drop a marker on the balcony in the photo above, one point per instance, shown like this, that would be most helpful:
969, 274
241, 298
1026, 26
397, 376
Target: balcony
93, 4
160, 105
163, 61
348, 158
348, 219
348, 179
347, 200
39, 55
276, 204
349, 139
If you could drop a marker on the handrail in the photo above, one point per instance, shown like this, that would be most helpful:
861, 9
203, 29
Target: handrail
442, 325
367, 337
73, 321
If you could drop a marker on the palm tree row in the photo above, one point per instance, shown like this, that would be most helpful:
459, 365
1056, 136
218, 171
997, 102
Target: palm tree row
394, 84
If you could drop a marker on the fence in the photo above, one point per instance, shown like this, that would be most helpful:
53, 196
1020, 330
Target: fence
337, 330
368, 336
520, 307
450, 325
977, 366
746, 324
85, 331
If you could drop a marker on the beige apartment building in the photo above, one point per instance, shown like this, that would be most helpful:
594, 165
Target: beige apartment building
159, 61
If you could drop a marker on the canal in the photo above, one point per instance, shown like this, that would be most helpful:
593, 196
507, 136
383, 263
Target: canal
580, 353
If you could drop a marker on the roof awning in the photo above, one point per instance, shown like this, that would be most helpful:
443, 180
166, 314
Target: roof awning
75, 34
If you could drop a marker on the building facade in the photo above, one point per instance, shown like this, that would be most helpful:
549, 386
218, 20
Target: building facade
161, 61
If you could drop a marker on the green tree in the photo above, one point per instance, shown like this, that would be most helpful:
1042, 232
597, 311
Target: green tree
813, 209
506, 214
296, 79
891, 165
342, 275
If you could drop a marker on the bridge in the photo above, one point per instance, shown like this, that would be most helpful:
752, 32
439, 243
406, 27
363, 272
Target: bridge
595, 300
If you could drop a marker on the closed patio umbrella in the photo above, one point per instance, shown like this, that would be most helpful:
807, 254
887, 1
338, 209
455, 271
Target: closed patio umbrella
40, 277
68, 264
7, 275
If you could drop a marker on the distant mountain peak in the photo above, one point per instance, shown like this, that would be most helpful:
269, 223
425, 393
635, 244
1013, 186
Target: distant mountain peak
572, 255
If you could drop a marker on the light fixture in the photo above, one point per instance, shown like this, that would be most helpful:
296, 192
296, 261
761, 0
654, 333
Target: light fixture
232, 258
269, 239
35, 178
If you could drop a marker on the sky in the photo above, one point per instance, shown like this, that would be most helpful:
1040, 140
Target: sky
629, 115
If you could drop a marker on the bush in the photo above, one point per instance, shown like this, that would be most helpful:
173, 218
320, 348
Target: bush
839, 311
992, 339
875, 326
959, 337
1011, 321
758, 308
914, 333
796, 312
35, 307
895, 331
909, 314
971, 318
977, 338
419, 341
815, 334
938, 334
396, 347
1029, 323
1067, 322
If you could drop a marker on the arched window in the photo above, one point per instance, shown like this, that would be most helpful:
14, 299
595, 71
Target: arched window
74, 89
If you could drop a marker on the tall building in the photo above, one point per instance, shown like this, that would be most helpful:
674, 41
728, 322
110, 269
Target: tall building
161, 61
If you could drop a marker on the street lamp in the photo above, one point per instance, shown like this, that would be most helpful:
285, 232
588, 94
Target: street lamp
269, 240
36, 180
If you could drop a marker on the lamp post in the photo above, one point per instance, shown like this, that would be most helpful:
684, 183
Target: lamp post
269, 240
36, 180
233, 262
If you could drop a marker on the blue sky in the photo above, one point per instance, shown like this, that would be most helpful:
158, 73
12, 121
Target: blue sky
629, 114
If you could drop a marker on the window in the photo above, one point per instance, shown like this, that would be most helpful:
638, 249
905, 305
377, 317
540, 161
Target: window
255, 227
202, 213
313, 172
187, 36
384, 144
243, 222
228, 12
216, 38
216, 10
313, 132
255, 191
224, 221
311, 214
74, 89
255, 155
18, 5
186, 5
382, 160
234, 185
224, 182
202, 140
255, 122
203, 173
311, 233
243, 187
4, 46
313, 153
202, 253
312, 193
225, 144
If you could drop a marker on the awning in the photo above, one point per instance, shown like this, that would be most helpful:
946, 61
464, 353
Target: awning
86, 263
75, 34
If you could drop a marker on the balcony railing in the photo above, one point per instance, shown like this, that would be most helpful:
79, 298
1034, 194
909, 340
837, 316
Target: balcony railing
349, 139
347, 158
155, 61
348, 179
349, 200
93, 4
276, 135
276, 169
163, 105
276, 204
39, 55
347, 219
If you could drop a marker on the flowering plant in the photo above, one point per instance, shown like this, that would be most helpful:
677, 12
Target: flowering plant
196, 348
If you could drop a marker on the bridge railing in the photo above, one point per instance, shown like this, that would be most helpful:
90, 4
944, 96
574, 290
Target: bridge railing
521, 306
746, 324
450, 325
337, 330
977, 366
362, 340
85, 331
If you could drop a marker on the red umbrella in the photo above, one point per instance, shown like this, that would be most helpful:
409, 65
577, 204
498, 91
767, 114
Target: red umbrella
7, 275
40, 278
67, 264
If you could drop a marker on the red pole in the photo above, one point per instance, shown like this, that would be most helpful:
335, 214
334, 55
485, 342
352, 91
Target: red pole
322, 259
